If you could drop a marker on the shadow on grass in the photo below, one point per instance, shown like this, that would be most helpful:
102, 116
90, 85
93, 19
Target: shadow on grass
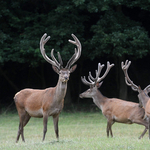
60, 142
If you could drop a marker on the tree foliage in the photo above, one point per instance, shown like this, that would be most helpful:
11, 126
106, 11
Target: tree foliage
106, 28
102, 26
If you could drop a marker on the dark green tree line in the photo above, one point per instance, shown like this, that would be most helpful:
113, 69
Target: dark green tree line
108, 30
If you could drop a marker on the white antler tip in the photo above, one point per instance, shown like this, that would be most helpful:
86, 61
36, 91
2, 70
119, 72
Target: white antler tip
108, 62
48, 37
122, 64
73, 42
45, 34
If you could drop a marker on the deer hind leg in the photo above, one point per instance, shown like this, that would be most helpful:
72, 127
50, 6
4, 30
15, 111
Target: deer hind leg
144, 123
26, 119
55, 121
23, 121
149, 126
19, 132
143, 133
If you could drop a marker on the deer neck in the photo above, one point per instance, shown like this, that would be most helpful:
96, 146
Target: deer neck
145, 100
99, 99
61, 89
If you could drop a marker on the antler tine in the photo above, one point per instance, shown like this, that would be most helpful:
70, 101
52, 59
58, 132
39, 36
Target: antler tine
42, 43
127, 79
77, 52
147, 89
71, 59
91, 79
106, 72
83, 79
96, 72
90, 76
53, 57
60, 59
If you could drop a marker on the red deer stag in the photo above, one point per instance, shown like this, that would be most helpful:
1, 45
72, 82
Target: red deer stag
115, 110
50, 101
144, 99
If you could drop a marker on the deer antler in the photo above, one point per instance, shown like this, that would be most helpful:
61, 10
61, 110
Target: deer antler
43, 41
77, 53
127, 79
54, 61
147, 89
106, 72
92, 81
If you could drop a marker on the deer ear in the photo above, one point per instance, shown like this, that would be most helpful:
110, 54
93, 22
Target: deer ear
99, 84
55, 69
139, 89
72, 69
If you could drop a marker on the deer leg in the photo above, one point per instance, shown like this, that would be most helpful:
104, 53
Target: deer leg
149, 126
145, 130
45, 120
26, 119
107, 129
55, 121
20, 130
142, 122
111, 129
109, 124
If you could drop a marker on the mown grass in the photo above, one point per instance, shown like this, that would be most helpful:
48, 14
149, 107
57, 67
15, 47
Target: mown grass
78, 131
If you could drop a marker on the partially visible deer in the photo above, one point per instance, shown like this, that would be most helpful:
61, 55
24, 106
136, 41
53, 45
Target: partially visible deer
50, 101
115, 110
144, 99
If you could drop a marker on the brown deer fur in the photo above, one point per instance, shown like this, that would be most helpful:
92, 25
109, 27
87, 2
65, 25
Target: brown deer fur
115, 110
50, 101
144, 99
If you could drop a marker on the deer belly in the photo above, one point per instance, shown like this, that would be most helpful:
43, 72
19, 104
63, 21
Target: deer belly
55, 111
35, 113
122, 120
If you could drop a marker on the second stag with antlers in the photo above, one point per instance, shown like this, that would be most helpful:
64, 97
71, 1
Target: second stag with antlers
115, 110
144, 99
50, 101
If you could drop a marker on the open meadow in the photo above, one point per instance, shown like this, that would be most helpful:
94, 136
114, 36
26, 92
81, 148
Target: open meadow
78, 131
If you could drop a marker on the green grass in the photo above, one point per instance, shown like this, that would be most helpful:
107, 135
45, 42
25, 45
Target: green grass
78, 131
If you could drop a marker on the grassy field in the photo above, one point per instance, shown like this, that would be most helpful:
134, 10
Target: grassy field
78, 131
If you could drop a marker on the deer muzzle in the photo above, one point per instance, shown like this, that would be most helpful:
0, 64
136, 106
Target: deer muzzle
81, 96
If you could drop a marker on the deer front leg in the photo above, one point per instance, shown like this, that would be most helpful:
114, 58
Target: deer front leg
109, 124
55, 121
45, 120
107, 129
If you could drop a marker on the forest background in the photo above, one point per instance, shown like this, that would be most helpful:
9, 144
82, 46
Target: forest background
109, 30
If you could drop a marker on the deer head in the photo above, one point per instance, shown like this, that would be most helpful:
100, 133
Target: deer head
143, 94
94, 83
64, 72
